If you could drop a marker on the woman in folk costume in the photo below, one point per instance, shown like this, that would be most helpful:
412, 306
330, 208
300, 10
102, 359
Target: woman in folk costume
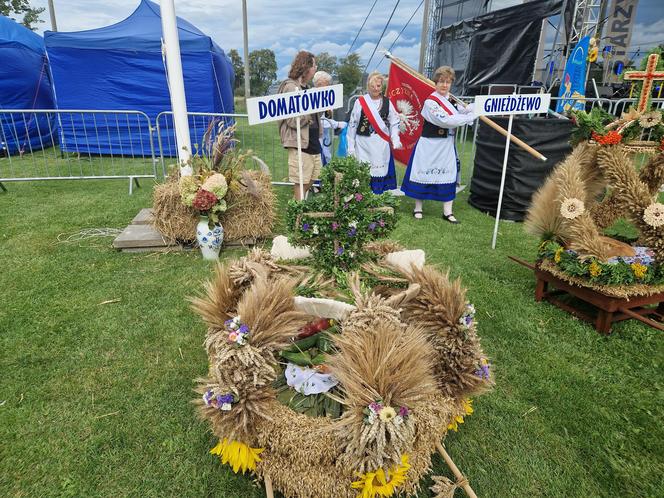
432, 169
373, 125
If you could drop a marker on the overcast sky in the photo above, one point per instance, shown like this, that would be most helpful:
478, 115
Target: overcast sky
286, 26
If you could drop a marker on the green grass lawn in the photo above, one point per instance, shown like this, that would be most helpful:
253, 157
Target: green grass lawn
95, 398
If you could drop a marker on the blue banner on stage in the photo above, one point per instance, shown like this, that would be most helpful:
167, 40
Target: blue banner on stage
573, 86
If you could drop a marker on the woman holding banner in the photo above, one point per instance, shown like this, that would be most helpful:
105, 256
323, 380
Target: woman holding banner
373, 128
432, 170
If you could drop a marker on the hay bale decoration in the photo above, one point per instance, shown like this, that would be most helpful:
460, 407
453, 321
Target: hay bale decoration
243, 199
333, 387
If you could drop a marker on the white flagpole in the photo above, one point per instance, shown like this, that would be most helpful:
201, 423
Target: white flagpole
171, 48
502, 181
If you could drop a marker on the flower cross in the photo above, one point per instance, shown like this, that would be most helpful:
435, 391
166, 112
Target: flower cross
338, 249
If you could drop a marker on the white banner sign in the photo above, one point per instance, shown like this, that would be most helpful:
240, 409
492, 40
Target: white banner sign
290, 105
497, 105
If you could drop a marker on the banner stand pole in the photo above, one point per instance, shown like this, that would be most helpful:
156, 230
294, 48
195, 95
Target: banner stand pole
502, 181
299, 157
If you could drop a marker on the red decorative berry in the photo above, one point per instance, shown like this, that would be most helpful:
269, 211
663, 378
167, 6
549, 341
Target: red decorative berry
611, 138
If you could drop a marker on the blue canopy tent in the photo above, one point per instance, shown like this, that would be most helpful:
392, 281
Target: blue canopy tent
120, 67
24, 84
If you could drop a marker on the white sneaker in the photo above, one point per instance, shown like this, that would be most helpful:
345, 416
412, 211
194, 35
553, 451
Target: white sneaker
396, 192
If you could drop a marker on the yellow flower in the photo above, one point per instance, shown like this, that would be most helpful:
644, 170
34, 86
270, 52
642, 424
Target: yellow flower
387, 414
238, 455
639, 270
467, 406
595, 269
556, 256
381, 483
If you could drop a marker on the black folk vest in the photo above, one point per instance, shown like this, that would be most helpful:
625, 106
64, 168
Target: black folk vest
430, 130
364, 128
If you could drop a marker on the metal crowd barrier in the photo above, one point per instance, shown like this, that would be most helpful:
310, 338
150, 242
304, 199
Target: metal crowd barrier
75, 144
262, 140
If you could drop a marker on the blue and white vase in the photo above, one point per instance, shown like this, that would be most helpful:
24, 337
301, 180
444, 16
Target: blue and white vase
209, 240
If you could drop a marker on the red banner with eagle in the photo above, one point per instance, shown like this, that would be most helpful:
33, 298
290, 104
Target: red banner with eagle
407, 94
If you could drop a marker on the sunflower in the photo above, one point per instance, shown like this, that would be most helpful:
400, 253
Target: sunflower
650, 119
467, 405
380, 483
238, 455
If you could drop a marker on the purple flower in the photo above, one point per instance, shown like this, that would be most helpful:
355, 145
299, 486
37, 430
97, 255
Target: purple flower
207, 397
381, 223
345, 205
335, 225
372, 226
376, 407
352, 232
226, 398
359, 197
483, 372
340, 251
244, 329
404, 412
228, 323
305, 227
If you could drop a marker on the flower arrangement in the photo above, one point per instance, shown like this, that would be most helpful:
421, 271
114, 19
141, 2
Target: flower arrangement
605, 129
467, 319
378, 410
223, 402
611, 137
238, 332
338, 222
205, 193
641, 269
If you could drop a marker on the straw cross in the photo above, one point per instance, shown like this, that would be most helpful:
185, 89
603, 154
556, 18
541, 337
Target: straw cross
651, 74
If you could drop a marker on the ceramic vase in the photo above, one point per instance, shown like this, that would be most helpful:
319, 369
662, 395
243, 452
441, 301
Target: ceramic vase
209, 239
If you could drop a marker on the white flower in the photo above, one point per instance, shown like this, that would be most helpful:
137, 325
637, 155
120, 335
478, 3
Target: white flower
387, 414
226, 407
572, 208
654, 215
314, 230
351, 254
349, 197
353, 224
356, 183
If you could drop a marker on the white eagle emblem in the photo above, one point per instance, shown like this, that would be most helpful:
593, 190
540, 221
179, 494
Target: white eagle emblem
409, 118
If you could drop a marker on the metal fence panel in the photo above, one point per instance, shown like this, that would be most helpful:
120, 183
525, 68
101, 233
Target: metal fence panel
50, 144
263, 140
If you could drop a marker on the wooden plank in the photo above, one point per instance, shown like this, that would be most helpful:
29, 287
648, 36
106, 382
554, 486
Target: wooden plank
135, 236
144, 217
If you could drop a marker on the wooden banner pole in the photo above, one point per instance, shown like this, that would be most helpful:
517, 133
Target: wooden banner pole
489, 122
455, 470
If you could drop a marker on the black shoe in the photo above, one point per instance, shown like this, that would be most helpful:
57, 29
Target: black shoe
451, 218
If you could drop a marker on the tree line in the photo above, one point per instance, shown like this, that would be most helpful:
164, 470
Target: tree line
263, 70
